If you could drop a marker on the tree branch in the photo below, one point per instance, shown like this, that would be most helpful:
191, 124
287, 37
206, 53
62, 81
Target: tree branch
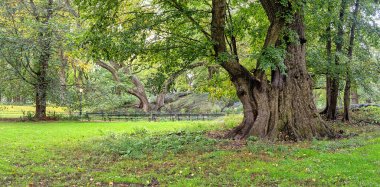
181, 9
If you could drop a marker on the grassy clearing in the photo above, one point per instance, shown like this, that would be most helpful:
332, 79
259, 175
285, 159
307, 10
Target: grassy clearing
14, 111
179, 154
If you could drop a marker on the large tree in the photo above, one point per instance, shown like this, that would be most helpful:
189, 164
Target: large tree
278, 104
34, 32
28, 45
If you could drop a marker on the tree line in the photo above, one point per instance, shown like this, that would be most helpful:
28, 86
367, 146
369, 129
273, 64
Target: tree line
274, 56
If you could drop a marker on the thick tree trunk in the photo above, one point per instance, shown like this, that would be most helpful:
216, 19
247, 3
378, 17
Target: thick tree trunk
143, 99
334, 92
41, 85
160, 101
282, 109
138, 90
40, 100
347, 89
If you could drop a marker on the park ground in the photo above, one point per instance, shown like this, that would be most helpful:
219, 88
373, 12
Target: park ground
183, 154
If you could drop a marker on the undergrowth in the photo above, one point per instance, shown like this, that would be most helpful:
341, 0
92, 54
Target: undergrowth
140, 144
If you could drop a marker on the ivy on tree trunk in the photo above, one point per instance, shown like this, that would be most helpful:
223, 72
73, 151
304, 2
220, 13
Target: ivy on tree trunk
276, 107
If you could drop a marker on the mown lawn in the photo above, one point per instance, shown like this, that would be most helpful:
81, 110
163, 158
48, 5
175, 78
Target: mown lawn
179, 154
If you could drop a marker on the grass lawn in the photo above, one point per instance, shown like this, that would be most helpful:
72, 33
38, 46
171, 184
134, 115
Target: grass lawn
14, 111
178, 154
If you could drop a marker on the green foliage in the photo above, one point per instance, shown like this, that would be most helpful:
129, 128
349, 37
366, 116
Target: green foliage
369, 114
273, 58
139, 145
29, 116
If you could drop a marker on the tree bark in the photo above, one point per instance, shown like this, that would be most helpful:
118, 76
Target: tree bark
45, 37
63, 76
347, 89
160, 101
328, 71
138, 90
281, 108
332, 110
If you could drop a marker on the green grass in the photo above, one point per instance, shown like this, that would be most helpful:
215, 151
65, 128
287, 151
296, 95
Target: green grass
179, 154
15, 111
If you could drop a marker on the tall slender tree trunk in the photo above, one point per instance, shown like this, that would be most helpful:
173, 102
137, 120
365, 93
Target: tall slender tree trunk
328, 71
63, 76
281, 108
44, 37
347, 89
332, 109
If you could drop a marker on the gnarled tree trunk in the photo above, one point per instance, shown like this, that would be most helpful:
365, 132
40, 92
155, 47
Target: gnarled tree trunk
281, 108
160, 100
138, 90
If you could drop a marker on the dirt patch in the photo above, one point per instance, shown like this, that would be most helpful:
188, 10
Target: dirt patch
217, 134
10, 119
153, 183
23, 119
228, 144
232, 145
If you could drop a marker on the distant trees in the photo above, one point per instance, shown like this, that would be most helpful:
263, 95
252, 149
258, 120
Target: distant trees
33, 38
342, 49
27, 45
127, 45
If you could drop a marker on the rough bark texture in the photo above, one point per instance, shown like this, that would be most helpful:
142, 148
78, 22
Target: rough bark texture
281, 108
347, 89
44, 41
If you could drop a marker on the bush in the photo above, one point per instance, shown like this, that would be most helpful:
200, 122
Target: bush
370, 114
29, 116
